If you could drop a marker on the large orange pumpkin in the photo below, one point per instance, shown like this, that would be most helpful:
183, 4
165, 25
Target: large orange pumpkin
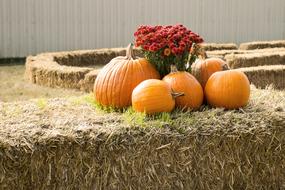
202, 69
228, 89
153, 96
182, 81
116, 81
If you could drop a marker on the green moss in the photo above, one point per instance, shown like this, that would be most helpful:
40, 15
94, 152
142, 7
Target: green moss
134, 118
90, 99
41, 103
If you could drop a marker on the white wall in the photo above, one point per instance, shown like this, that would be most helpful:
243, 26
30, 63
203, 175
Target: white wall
33, 26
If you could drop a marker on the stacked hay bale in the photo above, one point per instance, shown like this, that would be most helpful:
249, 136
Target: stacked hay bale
75, 69
78, 69
43, 70
263, 66
262, 45
263, 76
255, 59
223, 53
68, 145
215, 46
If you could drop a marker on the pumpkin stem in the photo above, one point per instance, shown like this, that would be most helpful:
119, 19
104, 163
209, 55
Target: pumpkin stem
202, 53
173, 68
225, 67
129, 51
177, 94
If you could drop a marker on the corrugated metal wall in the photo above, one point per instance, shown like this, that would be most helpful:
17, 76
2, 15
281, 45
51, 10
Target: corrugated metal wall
33, 26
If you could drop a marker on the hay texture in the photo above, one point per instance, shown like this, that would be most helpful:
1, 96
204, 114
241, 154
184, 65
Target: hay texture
75, 69
262, 44
255, 59
264, 76
223, 53
90, 57
215, 46
78, 69
69, 144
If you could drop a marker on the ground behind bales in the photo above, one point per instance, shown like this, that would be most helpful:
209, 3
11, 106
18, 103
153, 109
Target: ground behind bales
14, 87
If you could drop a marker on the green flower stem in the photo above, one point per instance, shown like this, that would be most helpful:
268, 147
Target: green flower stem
163, 63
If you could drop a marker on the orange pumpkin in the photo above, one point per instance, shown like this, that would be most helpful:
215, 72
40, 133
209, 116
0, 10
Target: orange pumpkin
116, 81
228, 89
153, 96
202, 69
182, 81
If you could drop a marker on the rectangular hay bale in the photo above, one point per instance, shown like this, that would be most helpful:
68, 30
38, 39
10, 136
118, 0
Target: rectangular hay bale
91, 57
217, 46
262, 44
264, 76
223, 53
255, 59
69, 145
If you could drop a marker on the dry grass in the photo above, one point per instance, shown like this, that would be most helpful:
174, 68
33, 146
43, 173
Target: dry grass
71, 144
15, 88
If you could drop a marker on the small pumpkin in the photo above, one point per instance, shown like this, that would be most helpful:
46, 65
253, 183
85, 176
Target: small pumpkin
116, 81
153, 96
202, 69
229, 89
182, 81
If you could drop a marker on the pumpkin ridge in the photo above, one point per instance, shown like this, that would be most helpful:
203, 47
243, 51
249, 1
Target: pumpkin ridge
189, 76
143, 73
149, 96
116, 81
108, 94
229, 89
122, 84
113, 92
152, 100
136, 70
102, 73
187, 84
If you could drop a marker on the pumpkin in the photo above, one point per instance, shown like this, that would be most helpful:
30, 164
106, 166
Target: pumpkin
153, 96
182, 81
229, 89
116, 81
202, 69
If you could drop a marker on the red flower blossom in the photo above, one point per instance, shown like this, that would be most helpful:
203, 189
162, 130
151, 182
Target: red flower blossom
177, 38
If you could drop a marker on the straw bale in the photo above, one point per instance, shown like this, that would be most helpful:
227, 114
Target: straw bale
90, 57
255, 59
44, 71
262, 44
70, 145
89, 80
264, 76
77, 69
216, 46
223, 53
74, 69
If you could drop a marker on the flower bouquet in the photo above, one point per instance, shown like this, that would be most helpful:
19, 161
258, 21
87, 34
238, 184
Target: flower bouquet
170, 45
